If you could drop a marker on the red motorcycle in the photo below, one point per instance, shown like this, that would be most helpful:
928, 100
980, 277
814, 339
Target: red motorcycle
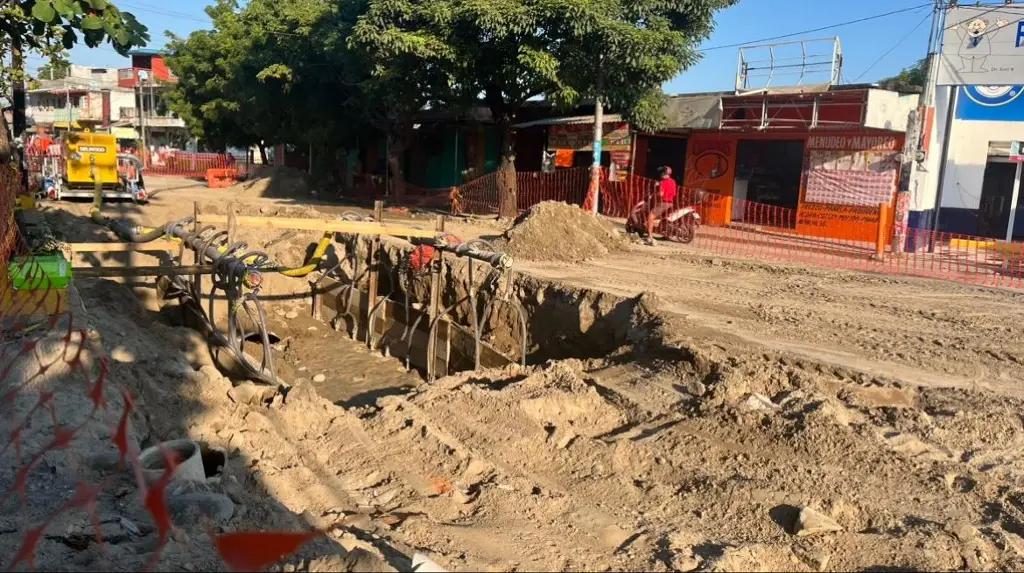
678, 224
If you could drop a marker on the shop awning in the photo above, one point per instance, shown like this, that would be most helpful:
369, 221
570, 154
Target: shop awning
610, 118
693, 111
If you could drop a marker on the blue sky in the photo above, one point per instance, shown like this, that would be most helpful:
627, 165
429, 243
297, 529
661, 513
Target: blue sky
863, 44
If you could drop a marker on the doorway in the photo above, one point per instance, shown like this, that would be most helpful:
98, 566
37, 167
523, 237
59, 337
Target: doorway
769, 172
670, 151
996, 195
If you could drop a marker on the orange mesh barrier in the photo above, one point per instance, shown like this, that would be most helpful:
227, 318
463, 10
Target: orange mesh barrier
848, 239
480, 196
48, 360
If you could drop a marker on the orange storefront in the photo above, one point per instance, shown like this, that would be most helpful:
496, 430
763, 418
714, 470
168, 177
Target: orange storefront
794, 164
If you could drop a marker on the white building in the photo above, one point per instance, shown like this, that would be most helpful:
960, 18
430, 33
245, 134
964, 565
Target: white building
978, 181
87, 97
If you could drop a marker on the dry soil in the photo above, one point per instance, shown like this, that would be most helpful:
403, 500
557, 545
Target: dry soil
773, 418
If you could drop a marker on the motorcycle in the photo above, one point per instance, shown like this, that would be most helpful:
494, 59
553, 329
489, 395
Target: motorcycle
679, 224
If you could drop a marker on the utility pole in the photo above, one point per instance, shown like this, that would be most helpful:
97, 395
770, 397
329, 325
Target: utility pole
18, 91
142, 120
67, 102
919, 130
594, 189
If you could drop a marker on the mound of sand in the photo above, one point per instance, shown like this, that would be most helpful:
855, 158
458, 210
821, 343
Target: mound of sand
555, 231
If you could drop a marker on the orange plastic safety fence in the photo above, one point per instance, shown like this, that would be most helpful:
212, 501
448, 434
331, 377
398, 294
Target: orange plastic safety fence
47, 360
481, 196
853, 238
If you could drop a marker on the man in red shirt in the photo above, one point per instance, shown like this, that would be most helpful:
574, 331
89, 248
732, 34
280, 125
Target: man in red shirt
664, 201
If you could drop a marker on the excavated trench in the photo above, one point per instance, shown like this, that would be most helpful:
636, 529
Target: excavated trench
329, 340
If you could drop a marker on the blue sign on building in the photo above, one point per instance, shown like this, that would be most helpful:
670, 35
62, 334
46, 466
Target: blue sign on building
991, 103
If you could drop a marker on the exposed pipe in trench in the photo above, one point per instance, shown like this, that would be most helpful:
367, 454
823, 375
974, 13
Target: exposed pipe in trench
238, 272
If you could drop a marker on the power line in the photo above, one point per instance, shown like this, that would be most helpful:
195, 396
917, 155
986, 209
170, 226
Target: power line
894, 46
813, 30
183, 16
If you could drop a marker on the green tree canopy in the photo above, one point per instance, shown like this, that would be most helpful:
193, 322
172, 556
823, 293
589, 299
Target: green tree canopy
57, 69
508, 52
48, 27
913, 76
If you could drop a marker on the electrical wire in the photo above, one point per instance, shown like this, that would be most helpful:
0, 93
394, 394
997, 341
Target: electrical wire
819, 29
892, 48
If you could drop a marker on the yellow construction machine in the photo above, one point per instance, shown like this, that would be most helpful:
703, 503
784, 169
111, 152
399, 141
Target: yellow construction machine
92, 165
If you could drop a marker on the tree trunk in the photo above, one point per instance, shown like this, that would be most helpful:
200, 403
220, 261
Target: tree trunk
395, 150
508, 207
5, 141
263, 153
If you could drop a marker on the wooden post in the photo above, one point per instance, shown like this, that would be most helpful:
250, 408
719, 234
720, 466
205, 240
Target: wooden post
232, 226
435, 302
883, 226
197, 257
371, 295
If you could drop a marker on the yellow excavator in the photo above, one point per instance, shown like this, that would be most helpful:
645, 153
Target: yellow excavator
91, 161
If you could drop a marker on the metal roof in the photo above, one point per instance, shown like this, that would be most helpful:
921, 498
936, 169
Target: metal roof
610, 118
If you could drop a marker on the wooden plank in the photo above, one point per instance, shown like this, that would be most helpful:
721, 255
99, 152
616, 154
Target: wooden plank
374, 262
104, 272
322, 225
158, 245
436, 268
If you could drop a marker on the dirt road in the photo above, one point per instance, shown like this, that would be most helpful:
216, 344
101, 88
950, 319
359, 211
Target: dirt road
778, 418
920, 331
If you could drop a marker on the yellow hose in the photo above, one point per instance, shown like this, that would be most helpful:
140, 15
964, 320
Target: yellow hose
314, 262
298, 272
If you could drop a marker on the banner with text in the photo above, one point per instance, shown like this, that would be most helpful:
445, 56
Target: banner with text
580, 137
853, 170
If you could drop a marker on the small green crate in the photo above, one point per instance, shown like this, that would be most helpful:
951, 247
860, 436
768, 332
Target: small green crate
40, 272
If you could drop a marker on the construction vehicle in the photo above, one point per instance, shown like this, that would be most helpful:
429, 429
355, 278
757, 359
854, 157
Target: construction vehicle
91, 160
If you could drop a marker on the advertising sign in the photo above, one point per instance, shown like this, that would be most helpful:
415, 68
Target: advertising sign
991, 103
982, 45
858, 171
580, 137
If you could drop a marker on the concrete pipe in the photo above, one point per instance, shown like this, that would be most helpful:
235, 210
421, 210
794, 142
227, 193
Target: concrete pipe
189, 458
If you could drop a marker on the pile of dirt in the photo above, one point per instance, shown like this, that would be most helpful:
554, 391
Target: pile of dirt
278, 182
177, 393
559, 232
699, 461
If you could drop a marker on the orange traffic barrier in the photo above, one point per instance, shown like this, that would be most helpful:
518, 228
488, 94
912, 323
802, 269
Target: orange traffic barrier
221, 178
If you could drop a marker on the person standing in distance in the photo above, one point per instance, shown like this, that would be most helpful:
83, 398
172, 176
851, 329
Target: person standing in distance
666, 196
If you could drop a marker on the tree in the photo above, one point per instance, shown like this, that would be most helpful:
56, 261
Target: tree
273, 71
49, 26
913, 76
57, 69
508, 52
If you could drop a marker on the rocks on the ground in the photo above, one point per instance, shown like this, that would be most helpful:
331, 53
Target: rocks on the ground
813, 522
247, 393
302, 391
189, 508
319, 378
962, 530
129, 526
694, 388
757, 403
104, 461
685, 561
463, 494
291, 315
